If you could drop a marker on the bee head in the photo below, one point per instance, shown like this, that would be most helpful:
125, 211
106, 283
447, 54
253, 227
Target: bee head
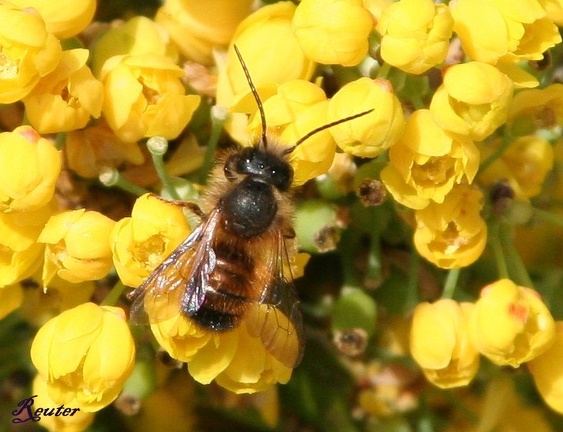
260, 164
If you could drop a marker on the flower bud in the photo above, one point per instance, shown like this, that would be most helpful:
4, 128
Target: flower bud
373, 133
85, 354
510, 324
415, 34
77, 246
63, 18
473, 100
29, 168
198, 29
270, 52
440, 343
333, 31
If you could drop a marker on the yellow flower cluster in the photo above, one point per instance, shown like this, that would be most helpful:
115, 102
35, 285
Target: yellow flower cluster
508, 324
427, 107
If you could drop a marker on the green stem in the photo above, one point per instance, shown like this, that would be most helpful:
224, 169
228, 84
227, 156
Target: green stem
110, 177
384, 71
549, 217
496, 154
500, 259
60, 140
158, 146
113, 296
514, 261
374, 269
451, 283
219, 116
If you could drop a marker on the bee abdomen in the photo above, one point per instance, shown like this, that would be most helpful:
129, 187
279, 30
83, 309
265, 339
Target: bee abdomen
227, 295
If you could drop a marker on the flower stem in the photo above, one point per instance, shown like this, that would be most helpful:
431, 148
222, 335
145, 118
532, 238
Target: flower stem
60, 140
494, 240
507, 139
451, 283
384, 71
111, 177
219, 116
158, 146
514, 261
549, 217
113, 296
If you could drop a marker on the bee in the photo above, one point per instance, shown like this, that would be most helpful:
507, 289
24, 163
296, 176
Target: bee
236, 265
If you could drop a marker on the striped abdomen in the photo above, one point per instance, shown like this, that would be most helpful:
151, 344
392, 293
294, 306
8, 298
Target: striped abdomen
228, 291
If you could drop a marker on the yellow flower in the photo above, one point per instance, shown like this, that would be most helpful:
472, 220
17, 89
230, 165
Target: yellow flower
510, 324
333, 31
313, 156
547, 371
16, 265
63, 18
143, 241
373, 133
89, 150
74, 421
29, 168
237, 360
20, 254
28, 51
415, 34
66, 98
473, 100
452, 234
270, 51
501, 31
144, 97
140, 35
440, 343
525, 165
427, 162
11, 298
85, 354
77, 246
536, 109
197, 29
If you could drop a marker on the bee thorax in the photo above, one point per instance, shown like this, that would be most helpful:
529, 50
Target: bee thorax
249, 208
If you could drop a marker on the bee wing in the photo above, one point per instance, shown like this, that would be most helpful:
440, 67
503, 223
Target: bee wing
179, 282
276, 317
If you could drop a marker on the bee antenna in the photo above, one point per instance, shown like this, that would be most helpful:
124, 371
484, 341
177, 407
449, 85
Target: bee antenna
264, 140
326, 126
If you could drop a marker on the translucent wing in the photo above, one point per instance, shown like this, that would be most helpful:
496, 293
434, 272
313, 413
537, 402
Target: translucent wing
276, 318
179, 282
